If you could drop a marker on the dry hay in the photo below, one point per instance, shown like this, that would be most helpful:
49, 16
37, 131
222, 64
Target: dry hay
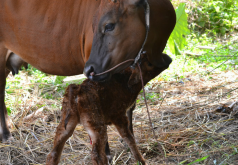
184, 118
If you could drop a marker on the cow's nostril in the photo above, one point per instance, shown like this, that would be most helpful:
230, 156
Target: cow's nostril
89, 71
92, 73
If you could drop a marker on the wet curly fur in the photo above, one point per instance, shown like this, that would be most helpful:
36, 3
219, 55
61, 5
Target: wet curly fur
98, 104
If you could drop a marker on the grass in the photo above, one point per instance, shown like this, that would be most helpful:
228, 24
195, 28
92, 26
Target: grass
196, 60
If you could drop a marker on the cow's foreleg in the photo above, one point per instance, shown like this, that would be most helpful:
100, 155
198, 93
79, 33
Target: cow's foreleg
7, 72
4, 131
63, 132
121, 124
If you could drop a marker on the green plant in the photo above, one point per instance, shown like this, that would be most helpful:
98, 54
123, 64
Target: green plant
177, 39
59, 79
213, 16
152, 96
199, 160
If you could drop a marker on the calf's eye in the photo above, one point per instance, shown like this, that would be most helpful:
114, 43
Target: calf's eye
149, 64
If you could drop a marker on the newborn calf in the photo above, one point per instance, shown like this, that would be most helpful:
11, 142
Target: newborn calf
98, 104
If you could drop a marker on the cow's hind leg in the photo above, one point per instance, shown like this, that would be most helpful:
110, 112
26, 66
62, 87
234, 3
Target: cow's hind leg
123, 129
4, 131
63, 132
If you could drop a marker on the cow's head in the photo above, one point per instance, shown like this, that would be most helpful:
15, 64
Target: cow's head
119, 32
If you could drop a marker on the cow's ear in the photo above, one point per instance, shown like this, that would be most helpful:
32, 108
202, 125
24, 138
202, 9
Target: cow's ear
160, 60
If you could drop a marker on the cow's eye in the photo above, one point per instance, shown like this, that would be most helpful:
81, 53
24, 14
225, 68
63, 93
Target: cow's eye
109, 27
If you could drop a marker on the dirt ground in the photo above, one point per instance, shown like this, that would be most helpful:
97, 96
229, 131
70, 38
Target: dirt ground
193, 118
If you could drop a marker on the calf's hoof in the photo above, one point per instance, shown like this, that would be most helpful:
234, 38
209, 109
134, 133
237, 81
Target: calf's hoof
52, 159
109, 158
143, 163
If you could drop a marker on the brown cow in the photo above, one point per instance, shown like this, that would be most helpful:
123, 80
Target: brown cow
98, 104
57, 37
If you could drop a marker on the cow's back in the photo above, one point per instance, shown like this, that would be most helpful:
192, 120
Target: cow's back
41, 31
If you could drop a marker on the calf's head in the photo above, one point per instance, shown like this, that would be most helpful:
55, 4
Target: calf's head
119, 32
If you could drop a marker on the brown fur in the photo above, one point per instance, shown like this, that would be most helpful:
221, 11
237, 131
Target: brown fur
96, 105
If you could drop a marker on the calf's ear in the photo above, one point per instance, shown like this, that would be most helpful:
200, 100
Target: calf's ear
134, 78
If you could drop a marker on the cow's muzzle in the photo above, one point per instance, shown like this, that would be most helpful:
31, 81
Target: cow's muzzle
89, 72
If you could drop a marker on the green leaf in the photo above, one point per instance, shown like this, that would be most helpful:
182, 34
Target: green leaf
59, 79
199, 160
177, 39
9, 111
139, 163
183, 162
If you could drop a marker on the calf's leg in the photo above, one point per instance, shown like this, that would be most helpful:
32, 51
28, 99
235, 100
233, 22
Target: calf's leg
107, 151
121, 124
4, 131
62, 134
97, 130
129, 115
